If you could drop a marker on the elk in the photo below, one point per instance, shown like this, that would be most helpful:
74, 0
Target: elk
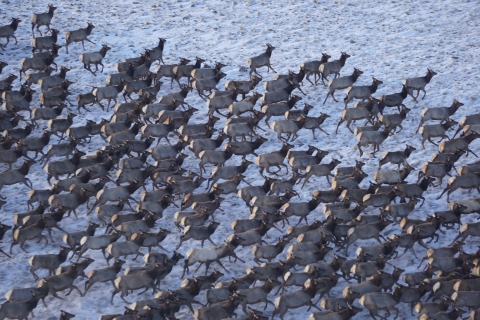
347, 171
279, 108
43, 19
17, 175
20, 236
433, 307
472, 119
84, 99
8, 30
288, 127
301, 209
79, 35
70, 201
313, 67
455, 144
143, 279
375, 301
94, 58
366, 231
57, 168
400, 210
332, 67
167, 71
362, 270
282, 81
205, 73
361, 92
201, 233
348, 182
268, 252
181, 71
248, 193
97, 242
10, 157
47, 42
395, 120
243, 87
418, 84
128, 228
296, 299
392, 176
248, 147
280, 94
216, 103
48, 261
413, 190
267, 160
436, 170
395, 157
220, 310
441, 113
135, 86
20, 104
374, 138
395, 99
215, 157
468, 229
37, 63
247, 104
212, 254
124, 248
208, 84
35, 77
156, 53
74, 239
24, 294
257, 294
469, 181
358, 113
20, 310
262, 60
57, 126
109, 92
295, 114
443, 252
150, 240
341, 83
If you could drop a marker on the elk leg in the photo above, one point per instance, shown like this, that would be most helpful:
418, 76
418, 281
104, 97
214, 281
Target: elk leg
469, 150
6, 254
54, 293
424, 93
270, 67
430, 140
75, 287
29, 182
326, 96
333, 96
360, 149
420, 242
210, 241
201, 263
146, 289
122, 296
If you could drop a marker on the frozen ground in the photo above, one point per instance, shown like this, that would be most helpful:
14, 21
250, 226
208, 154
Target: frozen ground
391, 40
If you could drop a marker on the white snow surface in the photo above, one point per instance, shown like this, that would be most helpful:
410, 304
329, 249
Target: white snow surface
390, 40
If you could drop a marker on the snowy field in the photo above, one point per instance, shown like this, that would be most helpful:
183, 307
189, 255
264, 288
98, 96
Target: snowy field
388, 40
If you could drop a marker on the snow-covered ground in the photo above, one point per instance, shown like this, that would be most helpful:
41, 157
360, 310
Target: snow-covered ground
389, 40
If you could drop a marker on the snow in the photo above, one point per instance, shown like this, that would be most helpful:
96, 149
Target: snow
390, 40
